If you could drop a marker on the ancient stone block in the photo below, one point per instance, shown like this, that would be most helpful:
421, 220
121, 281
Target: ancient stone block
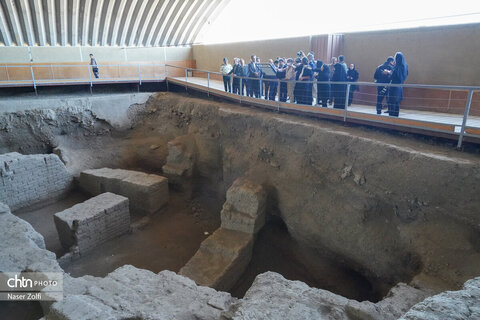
244, 209
180, 164
147, 193
95, 221
220, 260
28, 180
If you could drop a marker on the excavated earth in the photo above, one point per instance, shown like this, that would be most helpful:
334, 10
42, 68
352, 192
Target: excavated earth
386, 209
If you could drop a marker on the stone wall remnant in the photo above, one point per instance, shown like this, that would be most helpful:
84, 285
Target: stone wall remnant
147, 193
27, 180
95, 221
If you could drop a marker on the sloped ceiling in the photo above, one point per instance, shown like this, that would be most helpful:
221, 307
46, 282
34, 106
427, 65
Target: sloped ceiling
132, 23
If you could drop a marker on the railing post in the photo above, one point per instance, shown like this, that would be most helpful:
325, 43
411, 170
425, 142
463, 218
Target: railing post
33, 80
278, 93
139, 75
465, 118
90, 76
208, 84
346, 103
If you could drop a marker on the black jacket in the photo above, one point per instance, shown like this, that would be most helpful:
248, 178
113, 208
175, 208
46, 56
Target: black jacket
379, 76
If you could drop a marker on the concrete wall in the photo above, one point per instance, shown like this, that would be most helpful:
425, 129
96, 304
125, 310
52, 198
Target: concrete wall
26, 180
80, 54
436, 55
209, 57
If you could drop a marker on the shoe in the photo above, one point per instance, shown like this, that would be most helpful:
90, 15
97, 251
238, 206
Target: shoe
379, 112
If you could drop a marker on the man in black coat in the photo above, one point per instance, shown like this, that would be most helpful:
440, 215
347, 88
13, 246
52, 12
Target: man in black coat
383, 75
254, 72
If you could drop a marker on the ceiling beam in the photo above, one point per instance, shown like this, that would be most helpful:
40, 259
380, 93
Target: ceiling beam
108, 19
155, 23
118, 19
126, 25
52, 24
185, 18
138, 19
75, 12
63, 22
147, 22
165, 22
7, 37
27, 21
96, 22
192, 20
17, 29
199, 24
174, 21
86, 21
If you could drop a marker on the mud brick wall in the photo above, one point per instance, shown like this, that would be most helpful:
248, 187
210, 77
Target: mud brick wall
26, 180
95, 221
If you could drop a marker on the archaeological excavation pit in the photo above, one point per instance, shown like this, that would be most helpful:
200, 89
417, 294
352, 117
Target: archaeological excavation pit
254, 207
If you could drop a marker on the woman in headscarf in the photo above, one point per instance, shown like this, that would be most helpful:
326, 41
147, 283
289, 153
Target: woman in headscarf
305, 89
352, 76
323, 89
339, 90
399, 75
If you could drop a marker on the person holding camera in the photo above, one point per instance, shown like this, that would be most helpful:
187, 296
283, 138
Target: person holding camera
382, 75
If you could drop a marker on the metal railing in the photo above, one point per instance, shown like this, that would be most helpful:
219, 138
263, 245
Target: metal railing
460, 123
457, 123
56, 74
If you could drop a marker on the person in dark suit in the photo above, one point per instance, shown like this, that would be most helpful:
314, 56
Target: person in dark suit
305, 89
254, 72
237, 72
399, 75
339, 91
281, 75
323, 89
382, 75
243, 81
352, 76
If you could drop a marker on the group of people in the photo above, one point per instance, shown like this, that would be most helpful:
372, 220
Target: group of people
293, 80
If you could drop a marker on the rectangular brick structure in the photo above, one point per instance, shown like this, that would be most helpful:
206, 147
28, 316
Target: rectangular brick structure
95, 221
147, 193
27, 180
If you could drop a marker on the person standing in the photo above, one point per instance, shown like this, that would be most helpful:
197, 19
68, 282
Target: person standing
382, 75
399, 75
352, 76
339, 90
305, 89
323, 89
332, 69
313, 65
290, 78
237, 72
281, 74
225, 70
260, 75
254, 72
244, 82
93, 63
341, 60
